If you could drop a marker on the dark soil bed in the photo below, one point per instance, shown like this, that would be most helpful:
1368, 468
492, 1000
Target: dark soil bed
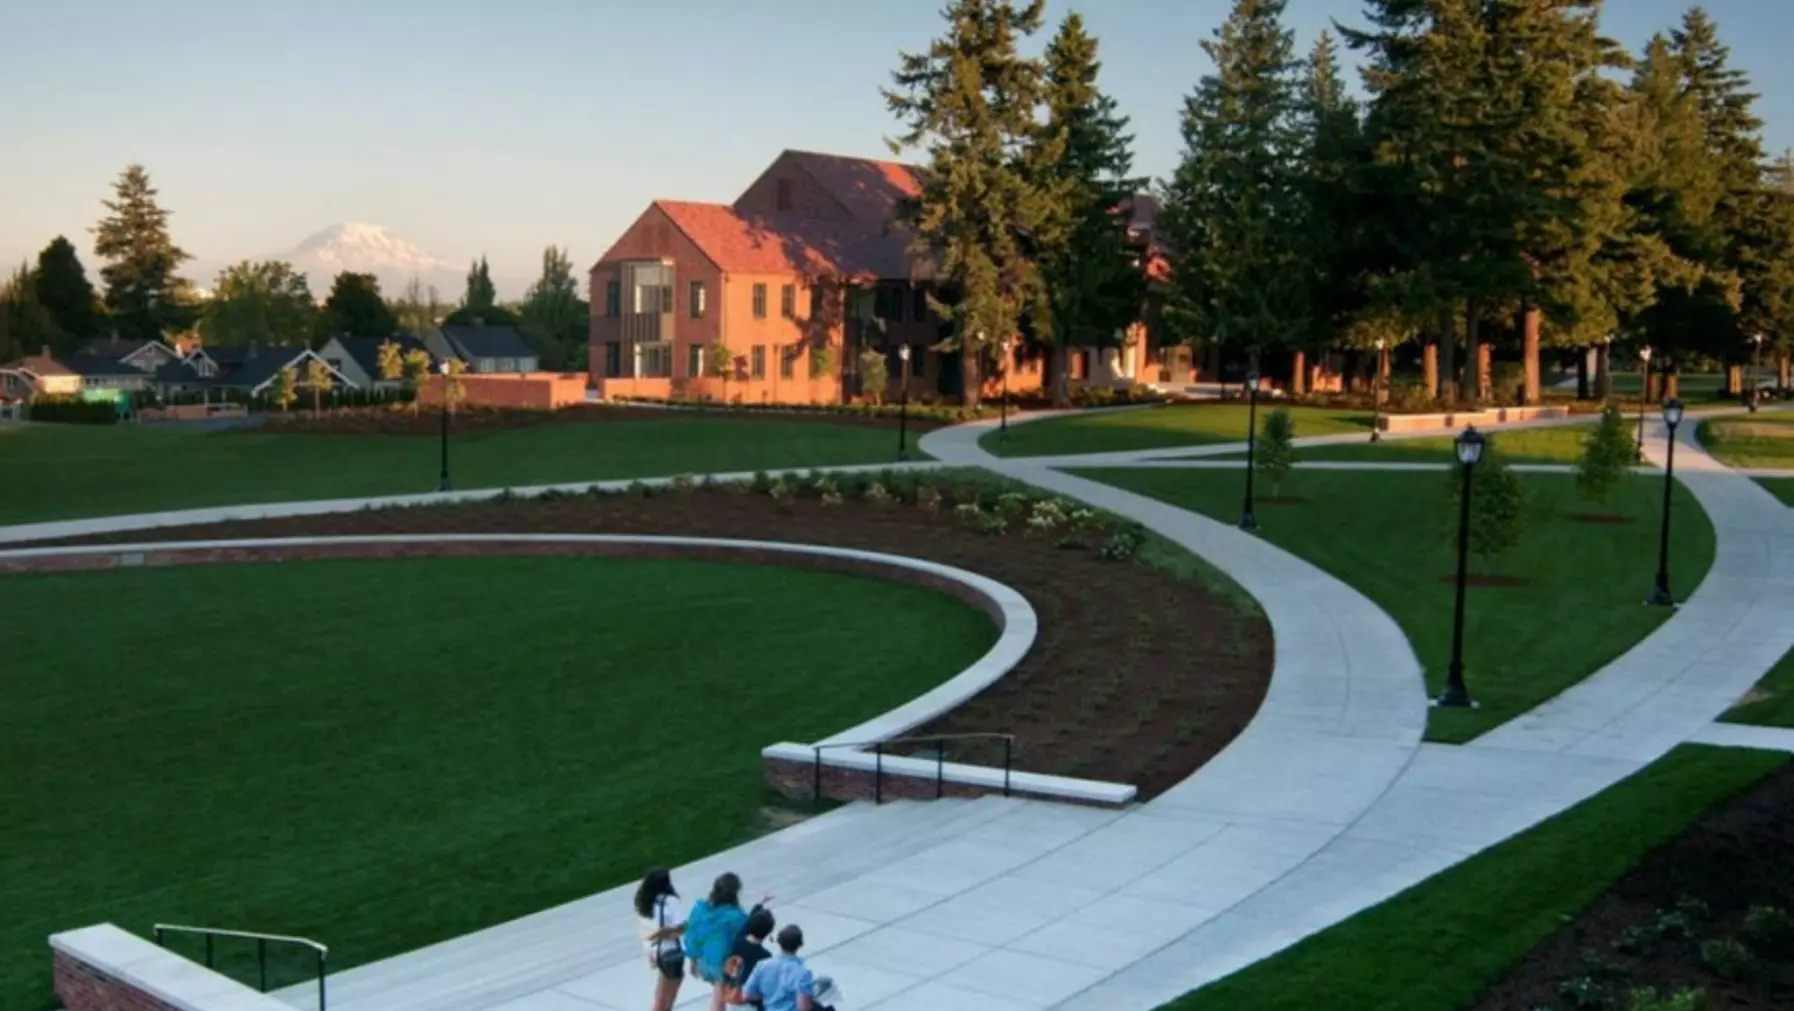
427, 421
1738, 857
1137, 676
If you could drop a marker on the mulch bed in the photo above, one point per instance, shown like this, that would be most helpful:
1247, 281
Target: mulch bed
1739, 856
401, 420
1136, 677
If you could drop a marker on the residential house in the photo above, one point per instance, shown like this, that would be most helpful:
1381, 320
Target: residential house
485, 348
102, 375
145, 356
358, 358
811, 256
40, 375
251, 368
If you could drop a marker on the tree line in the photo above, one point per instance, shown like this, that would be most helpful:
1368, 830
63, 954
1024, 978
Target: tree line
51, 303
1512, 181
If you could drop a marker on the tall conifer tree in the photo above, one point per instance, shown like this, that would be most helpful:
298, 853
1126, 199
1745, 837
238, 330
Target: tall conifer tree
144, 294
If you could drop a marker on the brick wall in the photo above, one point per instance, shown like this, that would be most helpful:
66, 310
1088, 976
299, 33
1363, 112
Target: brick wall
82, 987
541, 391
104, 968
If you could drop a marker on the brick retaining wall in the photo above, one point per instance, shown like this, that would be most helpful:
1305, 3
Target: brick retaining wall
83, 987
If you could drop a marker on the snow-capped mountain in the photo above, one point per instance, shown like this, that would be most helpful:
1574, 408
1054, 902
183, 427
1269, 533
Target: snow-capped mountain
371, 249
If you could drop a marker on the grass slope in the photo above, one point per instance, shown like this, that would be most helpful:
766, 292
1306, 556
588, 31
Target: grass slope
1159, 428
1526, 445
384, 754
1389, 535
1774, 702
79, 471
1766, 440
1441, 944
1781, 487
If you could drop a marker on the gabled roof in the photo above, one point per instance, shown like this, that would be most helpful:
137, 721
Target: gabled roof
120, 348
99, 367
178, 372
867, 187
365, 351
482, 341
39, 365
791, 244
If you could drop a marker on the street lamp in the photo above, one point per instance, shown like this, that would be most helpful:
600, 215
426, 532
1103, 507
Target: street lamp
1756, 366
1604, 379
443, 368
1470, 451
1672, 416
1376, 423
1644, 393
1003, 403
903, 404
1247, 520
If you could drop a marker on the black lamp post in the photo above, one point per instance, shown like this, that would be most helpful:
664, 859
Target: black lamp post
1672, 416
903, 403
1470, 452
1604, 368
1644, 393
1247, 520
1376, 422
1003, 401
1756, 365
443, 484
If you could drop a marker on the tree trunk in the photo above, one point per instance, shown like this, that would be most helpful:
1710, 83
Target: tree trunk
971, 379
1734, 381
1298, 372
1382, 372
1061, 375
1672, 383
1211, 365
1530, 320
1583, 373
1604, 372
1448, 368
1473, 354
1782, 363
1429, 368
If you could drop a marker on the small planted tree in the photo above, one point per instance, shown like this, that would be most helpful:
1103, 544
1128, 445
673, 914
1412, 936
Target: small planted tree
1276, 448
392, 362
719, 363
1497, 505
454, 390
874, 375
1607, 455
416, 367
319, 381
284, 389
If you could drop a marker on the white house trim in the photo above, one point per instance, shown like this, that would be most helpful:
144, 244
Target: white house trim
295, 365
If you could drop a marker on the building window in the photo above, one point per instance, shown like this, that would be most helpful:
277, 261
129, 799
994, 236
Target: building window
654, 360
613, 360
782, 198
788, 361
613, 299
507, 365
815, 301
757, 366
817, 360
650, 288
697, 300
759, 301
694, 361
887, 304
788, 301
861, 303
918, 309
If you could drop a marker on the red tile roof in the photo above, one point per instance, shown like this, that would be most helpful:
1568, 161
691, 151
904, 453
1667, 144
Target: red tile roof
791, 244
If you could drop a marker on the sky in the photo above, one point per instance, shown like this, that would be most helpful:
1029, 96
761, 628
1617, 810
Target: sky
470, 127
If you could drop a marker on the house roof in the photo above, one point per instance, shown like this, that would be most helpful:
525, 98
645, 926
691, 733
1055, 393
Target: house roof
249, 366
482, 341
99, 366
791, 244
39, 365
118, 348
178, 372
366, 350
867, 187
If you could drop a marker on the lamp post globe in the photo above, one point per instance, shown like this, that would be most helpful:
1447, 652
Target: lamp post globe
1756, 366
1376, 422
1672, 417
1644, 393
1248, 518
1469, 450
903, 354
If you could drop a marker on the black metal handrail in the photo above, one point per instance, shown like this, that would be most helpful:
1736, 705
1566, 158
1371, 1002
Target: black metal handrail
261, 949
940, 759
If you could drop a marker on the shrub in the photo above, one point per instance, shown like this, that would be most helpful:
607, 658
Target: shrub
1585, 992
1123, 544
877, 495
1694, 910
1636, 940
928, 497
831, 497
762, 482
1497, 504
1727, 958
780, 491
1674, 924
684, 482
1607, 455
1011, 504
1769, 927
1649, 999
71, 411
1276, 449
875, 375
636, 489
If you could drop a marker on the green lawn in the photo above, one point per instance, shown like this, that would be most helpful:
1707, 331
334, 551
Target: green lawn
1780, 487
1775, 706
1766, 440
1390, 536
1159, 428
79, 471
384, 754
1526, 445
1441, 944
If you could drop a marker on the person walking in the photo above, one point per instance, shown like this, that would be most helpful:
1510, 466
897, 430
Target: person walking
749, 952
712, 930
783, 982
660, 924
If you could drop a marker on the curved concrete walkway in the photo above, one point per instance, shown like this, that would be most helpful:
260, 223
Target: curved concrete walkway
1327, 804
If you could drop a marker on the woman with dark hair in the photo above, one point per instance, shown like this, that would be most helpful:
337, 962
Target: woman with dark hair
710, 934
660, 925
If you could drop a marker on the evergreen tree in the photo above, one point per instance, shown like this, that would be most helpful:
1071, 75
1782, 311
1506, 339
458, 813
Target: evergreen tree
64, 291
1768, 262
1080, 164
969, 102
555, 318
356, 308
26, 327
267, 303
481, 295
1233, 209
1333, 224
144, 294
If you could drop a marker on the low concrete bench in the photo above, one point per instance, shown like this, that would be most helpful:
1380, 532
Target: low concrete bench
1451, 421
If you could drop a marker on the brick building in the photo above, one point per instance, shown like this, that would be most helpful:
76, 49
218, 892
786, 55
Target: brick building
809, 257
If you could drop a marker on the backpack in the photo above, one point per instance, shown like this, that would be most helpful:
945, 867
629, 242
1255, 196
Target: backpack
734, 985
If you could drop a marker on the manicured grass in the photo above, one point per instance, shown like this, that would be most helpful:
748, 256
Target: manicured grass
1159, 428
380, 755
1440, 945
1526, 445
1766, 440
1775, 705
1780, 487
78, 471
1390, 536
